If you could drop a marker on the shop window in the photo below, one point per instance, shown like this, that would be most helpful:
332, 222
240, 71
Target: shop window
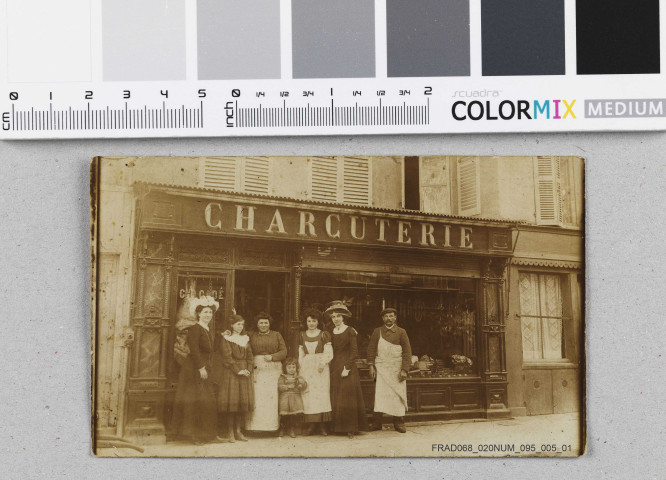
438, 313
469, 186
340, 179
248, 174
542, 319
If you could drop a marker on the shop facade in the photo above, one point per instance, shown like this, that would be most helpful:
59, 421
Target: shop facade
446, 276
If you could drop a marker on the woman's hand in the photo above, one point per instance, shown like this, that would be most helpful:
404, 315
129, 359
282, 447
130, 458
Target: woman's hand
244, 373
203, 373
268, 358
226, 333
345, 372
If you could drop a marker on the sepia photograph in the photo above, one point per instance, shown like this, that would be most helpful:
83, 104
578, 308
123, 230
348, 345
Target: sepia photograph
338, 306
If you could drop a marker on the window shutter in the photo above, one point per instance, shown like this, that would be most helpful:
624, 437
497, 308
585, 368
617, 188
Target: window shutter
324, 179
220, 173
469, 186
435, 185
547, 180
256, 175
356, 181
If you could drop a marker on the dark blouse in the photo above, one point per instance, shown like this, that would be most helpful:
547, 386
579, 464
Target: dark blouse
270, 343
235, 357
345, 348
201, 346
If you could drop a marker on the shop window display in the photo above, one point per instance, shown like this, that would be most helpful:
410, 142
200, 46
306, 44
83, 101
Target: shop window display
438, 313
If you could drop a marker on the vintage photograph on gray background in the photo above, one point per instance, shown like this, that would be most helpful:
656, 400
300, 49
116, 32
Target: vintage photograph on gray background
348, 306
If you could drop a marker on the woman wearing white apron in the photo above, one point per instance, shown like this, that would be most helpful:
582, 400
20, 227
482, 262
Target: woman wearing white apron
314, 354
389, 357
269, 350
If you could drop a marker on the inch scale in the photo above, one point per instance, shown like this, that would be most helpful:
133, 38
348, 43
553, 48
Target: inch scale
211, 109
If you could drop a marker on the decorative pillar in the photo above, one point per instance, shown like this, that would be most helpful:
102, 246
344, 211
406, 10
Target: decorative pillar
295, 322
147, 384
494, 374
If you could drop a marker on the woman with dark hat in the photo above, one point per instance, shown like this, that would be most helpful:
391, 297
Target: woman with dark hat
269, 350
346, 395
314, 355
233, 362
195, 412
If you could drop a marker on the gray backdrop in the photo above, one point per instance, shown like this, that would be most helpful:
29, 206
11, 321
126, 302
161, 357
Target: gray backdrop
44, 291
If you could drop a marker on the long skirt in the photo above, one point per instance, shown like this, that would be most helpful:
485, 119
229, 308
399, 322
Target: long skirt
347, 401
194, 409
235, 393
265, 378
317, 397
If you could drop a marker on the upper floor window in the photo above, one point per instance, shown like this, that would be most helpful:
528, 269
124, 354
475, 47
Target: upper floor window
246, 174
341, 180
427, 184
555, 191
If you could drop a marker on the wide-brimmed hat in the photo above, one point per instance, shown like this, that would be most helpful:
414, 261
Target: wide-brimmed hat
337, 306
205, 301
389, 310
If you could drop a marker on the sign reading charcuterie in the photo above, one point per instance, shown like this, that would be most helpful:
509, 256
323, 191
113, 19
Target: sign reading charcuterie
243, 217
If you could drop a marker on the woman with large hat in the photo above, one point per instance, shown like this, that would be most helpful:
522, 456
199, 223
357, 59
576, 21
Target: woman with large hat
195, 412
269, 351
346, 395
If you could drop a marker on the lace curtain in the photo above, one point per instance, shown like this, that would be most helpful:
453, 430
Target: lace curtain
541, 316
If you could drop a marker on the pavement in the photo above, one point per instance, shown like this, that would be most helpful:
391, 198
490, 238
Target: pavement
540, 435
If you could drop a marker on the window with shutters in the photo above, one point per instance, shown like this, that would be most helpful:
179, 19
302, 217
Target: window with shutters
434, 181
548, 190
247, 174
542, 319
469, 186
340, 179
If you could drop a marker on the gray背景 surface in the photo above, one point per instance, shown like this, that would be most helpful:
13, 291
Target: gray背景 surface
522, 37
427, 38
237, 42
143, 40
333, 39
45, 294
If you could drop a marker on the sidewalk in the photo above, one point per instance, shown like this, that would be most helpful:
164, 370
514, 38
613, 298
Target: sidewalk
542, 435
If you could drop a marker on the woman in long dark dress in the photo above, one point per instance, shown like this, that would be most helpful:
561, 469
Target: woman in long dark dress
346, 395
195, 412
233, 362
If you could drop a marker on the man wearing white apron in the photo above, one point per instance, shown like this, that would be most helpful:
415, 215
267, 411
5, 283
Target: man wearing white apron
389, 357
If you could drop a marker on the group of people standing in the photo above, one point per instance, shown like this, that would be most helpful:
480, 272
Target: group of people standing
234, 381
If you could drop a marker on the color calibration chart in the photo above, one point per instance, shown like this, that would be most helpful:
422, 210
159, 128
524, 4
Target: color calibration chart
186, 68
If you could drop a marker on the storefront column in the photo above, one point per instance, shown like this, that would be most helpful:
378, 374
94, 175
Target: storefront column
148, 353
494, 375
295, 320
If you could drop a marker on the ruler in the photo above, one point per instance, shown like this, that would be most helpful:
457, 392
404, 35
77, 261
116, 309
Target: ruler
71, 71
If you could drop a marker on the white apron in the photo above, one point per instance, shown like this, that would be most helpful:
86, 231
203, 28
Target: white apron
265, 381
390, 392
317, 397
